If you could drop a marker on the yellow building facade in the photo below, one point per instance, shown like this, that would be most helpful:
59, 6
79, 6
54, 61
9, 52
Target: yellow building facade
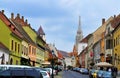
116, 46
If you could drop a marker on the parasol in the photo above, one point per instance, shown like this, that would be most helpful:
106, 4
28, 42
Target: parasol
103, 64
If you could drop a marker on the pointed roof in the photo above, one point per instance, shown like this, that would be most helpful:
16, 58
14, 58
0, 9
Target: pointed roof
79, 31
40, 31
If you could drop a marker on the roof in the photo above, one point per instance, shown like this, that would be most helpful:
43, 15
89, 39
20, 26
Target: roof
10, 25
115, 21
40, 31
60, 56
65, 54
25, 35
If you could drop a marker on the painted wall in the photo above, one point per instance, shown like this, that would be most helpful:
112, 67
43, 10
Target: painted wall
116, 49
5, 34
81, 46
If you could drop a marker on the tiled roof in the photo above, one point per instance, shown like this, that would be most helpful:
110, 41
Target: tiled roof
20, 20
115, 21
25, 35
10, 25
60, 56
65, 54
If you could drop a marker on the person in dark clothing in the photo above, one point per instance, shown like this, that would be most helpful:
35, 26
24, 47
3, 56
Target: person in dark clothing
116, 70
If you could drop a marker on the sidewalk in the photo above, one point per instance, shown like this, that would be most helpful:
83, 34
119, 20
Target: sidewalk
59, 75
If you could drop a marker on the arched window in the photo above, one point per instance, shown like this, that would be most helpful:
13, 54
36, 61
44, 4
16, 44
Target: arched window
11, 61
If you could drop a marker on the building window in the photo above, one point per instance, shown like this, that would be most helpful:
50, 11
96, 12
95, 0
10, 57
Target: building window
12, 44
109, 30
109, 44
29, 49
16, 62
15, 46
114, 42
118, 59
18, 48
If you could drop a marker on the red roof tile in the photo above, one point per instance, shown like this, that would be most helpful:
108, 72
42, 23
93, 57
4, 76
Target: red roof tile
60, 56
10, 24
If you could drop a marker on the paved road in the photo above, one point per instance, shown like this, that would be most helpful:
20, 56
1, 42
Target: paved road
73, 74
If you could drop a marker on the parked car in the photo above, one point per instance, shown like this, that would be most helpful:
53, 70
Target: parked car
42, 69
84, 71
4, 67
45, 74
78, 69
20, 73
100, 73
50, 69
92, 72
107, 74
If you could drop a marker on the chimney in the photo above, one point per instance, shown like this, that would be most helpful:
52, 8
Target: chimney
103, 21
2, 11
114, 16
26, 21
29, 24
18, 15
12, 16
23, 18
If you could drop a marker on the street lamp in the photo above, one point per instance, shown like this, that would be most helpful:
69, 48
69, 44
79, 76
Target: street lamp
52, 63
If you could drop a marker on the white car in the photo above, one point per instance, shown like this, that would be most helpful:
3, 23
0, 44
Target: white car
50, 69
45, 74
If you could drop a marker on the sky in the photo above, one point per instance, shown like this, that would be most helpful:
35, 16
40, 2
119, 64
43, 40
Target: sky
59, 18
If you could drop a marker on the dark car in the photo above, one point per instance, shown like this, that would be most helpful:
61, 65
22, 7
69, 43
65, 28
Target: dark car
20, 73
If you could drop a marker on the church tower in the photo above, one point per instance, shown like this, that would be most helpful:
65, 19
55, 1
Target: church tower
79, 35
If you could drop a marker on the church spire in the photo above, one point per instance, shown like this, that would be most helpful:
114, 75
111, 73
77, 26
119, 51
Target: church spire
79, 35
79, 26
79, 31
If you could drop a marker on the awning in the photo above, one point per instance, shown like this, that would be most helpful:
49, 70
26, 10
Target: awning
46, 62
103, 64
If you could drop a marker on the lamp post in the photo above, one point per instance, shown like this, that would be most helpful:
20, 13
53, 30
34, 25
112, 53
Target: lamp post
52, 63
